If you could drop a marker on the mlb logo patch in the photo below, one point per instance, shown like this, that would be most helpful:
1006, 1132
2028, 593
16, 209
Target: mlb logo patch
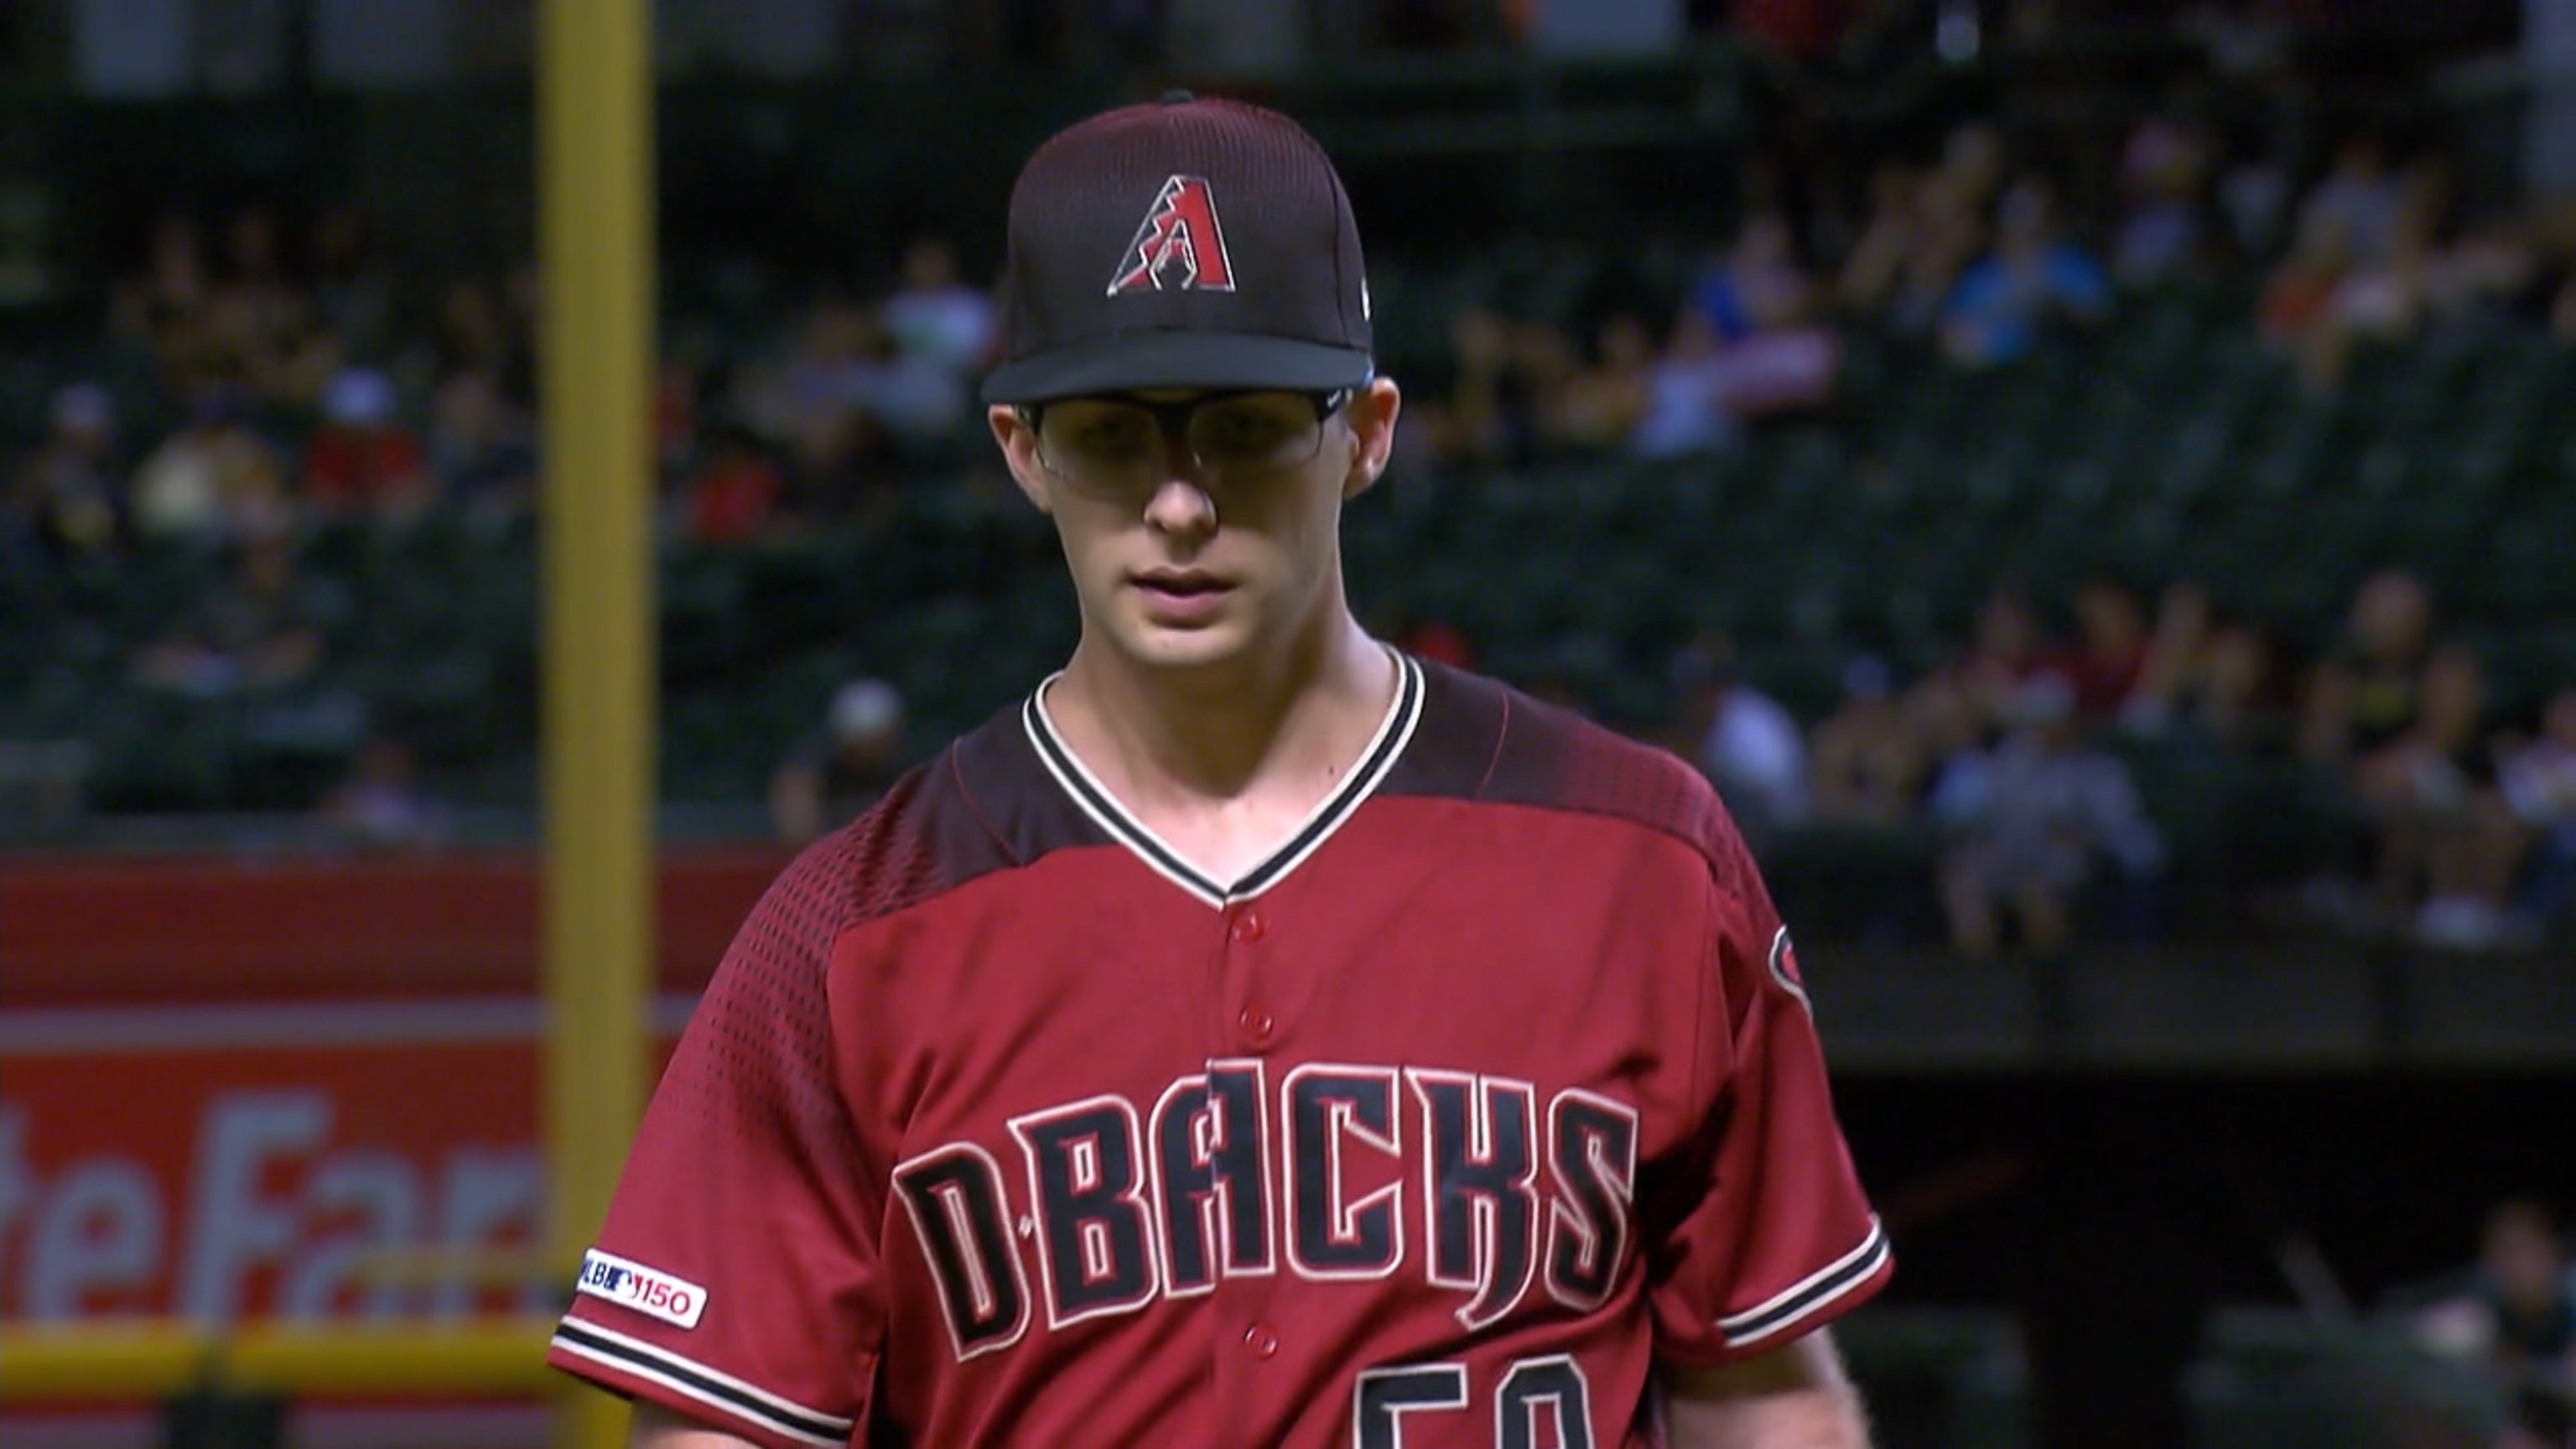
646, 1290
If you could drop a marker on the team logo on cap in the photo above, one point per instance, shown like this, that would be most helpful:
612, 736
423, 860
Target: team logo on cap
1178, 245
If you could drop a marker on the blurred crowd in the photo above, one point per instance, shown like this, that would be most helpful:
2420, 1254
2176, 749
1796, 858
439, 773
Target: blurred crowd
1973, 255
2015, 753
267, 376
255, 400
2013, 757
262, 385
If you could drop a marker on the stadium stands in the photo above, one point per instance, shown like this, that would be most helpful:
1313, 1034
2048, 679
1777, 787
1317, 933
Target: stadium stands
2173, 447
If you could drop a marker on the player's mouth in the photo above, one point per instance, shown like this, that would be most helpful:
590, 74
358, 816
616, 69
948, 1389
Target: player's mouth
1181, 595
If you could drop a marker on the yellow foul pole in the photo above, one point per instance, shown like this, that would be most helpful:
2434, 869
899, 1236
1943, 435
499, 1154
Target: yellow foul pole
595, 150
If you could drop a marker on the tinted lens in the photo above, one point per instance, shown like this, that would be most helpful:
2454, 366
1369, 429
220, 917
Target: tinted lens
1112, 446
1106, 439
1262, 432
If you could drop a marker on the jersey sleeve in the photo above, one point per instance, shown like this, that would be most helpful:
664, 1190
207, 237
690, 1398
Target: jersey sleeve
1770, 1235
736, 1280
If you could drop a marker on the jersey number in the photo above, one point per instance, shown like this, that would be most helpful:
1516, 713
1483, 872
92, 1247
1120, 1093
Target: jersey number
1550, 1386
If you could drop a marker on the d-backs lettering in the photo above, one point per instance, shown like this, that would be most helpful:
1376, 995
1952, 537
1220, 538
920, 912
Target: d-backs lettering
1121, 1206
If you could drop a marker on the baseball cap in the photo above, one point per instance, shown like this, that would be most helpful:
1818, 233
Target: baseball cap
1188, 242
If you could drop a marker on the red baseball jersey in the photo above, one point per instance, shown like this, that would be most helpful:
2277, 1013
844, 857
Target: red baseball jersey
1002, 1124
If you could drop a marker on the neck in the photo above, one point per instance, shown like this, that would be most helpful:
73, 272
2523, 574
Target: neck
1218, 733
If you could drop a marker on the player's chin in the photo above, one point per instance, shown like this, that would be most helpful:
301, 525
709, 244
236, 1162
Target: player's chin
1195, 644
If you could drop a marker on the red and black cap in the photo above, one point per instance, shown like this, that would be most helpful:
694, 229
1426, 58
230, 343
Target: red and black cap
1185, 243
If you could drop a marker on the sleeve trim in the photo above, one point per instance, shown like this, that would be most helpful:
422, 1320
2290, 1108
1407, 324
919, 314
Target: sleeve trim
1811, 1295
704, 1385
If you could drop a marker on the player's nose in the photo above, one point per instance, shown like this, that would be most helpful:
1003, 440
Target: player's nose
1181, 505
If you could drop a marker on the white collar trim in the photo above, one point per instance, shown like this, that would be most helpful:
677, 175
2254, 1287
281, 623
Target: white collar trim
1385, 747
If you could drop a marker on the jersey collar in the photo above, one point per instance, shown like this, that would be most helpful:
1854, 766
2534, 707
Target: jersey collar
1384, 749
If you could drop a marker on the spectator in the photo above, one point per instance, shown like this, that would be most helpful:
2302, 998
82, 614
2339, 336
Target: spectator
2035, 285
479, 333
1759, 286
2298, 297
1870, 763
362, 461
819, 406
1742, 739
1599, 406
2032, 823
2384, 298
2004, 651
2443, 814
2109, 652
214, 481
942, 332
255, 280
2163, 171
2366, 695
382, 805
2538, 781
2359, 202
263, 321
159, 307
482, 446
1975, 160
2254, 195
2400, 720
2360, 277
734, 496
261, 630
352, 292
1491, 406
69, 492
1906, 267
1890, 233
2215, 677
834, 778
937, 316
675, 409
1947, 719
1686, 407
2483, 274
2515, 1318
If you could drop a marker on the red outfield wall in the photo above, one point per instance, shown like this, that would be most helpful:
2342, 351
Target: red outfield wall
226, 1085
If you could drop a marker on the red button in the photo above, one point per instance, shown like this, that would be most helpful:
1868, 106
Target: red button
1258, 1026
1249, 927
1262, 1342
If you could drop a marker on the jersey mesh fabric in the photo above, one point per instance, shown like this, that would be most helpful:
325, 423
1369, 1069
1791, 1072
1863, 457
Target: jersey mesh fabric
748, 1125
1555, 922
1759, 1233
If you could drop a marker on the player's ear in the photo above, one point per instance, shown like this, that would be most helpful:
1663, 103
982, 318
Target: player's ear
1372, 413
1020, 450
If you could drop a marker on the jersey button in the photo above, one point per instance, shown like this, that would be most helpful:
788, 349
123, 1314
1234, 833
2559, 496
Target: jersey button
1262, 1342
1248, 928
1258, 1025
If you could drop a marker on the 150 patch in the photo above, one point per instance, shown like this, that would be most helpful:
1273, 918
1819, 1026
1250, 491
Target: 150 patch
646, 1290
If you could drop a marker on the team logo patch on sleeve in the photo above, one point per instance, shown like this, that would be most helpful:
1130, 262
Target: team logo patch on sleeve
646, 1290
1784, 967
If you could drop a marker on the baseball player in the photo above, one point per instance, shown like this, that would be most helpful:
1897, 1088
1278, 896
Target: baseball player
1255, 1036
